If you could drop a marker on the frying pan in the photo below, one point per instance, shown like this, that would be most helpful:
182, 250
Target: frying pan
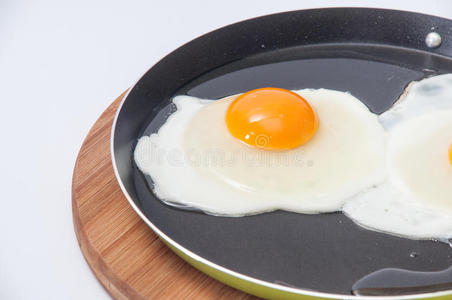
373, 54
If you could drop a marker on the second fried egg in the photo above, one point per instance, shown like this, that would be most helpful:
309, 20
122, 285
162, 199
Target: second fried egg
415, 200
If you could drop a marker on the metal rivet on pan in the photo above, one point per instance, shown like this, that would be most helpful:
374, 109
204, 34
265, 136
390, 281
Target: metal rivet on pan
433, 40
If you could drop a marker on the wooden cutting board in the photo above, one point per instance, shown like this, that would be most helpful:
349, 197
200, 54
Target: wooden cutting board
126, 256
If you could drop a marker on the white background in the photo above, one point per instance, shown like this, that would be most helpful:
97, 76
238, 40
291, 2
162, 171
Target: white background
61, 64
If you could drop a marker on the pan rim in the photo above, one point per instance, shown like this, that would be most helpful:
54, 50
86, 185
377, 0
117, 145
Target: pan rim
221, 269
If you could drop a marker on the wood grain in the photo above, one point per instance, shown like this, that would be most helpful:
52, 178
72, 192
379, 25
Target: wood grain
126, 256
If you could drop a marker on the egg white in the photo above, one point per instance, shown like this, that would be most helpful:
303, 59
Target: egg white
193, 159
415, 200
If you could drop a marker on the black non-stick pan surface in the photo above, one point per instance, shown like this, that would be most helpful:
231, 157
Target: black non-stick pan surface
371, 53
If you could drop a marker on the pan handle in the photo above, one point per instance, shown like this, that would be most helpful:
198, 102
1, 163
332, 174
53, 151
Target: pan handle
397, 282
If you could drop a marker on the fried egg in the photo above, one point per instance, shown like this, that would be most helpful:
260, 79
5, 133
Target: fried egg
235, 158
415, 200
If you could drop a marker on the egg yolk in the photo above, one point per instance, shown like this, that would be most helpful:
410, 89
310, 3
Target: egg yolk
272, 119
450, 154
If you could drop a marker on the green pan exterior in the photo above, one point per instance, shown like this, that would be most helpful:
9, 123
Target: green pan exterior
253, 288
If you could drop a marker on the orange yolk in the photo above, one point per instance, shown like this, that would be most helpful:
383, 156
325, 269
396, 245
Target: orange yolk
450, 154
271, 119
